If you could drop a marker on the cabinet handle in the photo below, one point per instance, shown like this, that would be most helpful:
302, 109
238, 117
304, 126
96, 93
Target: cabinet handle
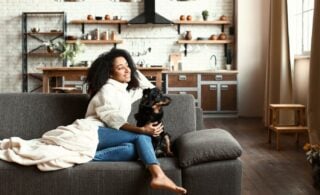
219, 77
182, 77
182, 92
212, 87
224, 87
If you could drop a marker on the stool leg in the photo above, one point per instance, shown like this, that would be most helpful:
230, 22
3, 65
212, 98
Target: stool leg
277, 140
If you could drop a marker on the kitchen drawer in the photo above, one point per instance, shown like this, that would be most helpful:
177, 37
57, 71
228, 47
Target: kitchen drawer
218, 77
194, 93
182, 80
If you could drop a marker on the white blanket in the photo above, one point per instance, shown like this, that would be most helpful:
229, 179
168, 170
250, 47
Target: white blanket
59, 148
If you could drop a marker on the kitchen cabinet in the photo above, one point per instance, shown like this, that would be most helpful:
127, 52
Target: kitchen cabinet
214, 92
219, 93
182, 83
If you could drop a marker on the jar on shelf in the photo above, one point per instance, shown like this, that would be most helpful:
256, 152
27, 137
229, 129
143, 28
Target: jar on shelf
188, 35
223, 36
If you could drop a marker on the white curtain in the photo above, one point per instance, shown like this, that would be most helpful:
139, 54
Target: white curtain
314, 79
278, 83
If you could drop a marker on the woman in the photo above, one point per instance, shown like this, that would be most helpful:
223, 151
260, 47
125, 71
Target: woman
114, 84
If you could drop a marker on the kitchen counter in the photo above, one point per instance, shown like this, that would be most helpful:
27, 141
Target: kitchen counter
58, 71
202, 71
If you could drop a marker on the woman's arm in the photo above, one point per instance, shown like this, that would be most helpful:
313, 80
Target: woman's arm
152, 129
143, 81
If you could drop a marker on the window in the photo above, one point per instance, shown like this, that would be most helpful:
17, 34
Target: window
303, 20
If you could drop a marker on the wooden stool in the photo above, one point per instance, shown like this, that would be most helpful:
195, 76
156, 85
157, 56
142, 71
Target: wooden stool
298, 127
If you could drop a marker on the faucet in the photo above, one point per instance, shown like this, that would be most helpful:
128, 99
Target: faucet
215, 60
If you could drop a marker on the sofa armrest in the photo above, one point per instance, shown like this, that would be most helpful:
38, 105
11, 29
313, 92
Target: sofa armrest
199, 118
205, 146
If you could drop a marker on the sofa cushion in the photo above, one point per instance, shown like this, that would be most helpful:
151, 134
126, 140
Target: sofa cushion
206, 145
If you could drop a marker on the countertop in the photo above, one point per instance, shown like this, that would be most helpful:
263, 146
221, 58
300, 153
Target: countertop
201, 71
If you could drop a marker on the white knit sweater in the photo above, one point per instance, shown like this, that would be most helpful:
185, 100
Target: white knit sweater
112, 104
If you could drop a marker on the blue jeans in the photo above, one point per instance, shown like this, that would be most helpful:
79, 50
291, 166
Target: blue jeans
121, 145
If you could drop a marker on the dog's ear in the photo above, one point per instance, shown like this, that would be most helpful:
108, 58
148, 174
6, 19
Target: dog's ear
146, 92
165, 101
146, 98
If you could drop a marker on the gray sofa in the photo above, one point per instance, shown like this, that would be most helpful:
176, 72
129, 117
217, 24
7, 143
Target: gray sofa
206, 162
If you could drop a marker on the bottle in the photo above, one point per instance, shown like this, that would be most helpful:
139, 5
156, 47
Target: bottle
112, 36
107, 35
89, 37
97, 34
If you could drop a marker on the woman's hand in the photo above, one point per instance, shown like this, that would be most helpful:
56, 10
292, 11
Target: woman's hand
153, 129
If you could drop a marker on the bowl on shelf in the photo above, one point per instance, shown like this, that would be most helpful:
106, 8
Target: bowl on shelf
98, 17
71, 37
202, 38
55, 30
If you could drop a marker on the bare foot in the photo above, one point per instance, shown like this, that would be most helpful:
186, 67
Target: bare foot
163, 182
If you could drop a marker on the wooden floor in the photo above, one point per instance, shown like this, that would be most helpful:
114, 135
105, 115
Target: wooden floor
265, 170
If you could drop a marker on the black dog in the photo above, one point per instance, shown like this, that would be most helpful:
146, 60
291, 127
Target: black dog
150, 110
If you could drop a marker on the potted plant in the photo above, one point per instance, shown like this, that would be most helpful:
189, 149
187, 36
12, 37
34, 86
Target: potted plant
205, 14
313, 157
69, 51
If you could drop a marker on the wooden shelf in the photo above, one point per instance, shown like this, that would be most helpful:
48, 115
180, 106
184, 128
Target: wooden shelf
41, 38
96, 41
44, 33
43, 54
111, 22
201, 22
186, 42
98, 22
204, 41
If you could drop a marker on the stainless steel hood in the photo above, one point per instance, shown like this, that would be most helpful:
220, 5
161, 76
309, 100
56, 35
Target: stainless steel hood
149, 16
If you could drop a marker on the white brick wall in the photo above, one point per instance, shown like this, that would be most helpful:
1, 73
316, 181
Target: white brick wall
162, 39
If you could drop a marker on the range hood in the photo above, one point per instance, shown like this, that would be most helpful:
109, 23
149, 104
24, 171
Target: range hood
149, 16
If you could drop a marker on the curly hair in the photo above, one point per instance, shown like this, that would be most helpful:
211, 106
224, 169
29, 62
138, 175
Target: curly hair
101, 69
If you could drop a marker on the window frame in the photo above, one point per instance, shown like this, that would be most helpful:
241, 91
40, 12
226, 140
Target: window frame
301, 15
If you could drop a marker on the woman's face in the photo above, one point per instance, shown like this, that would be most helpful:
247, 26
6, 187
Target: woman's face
121, 71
